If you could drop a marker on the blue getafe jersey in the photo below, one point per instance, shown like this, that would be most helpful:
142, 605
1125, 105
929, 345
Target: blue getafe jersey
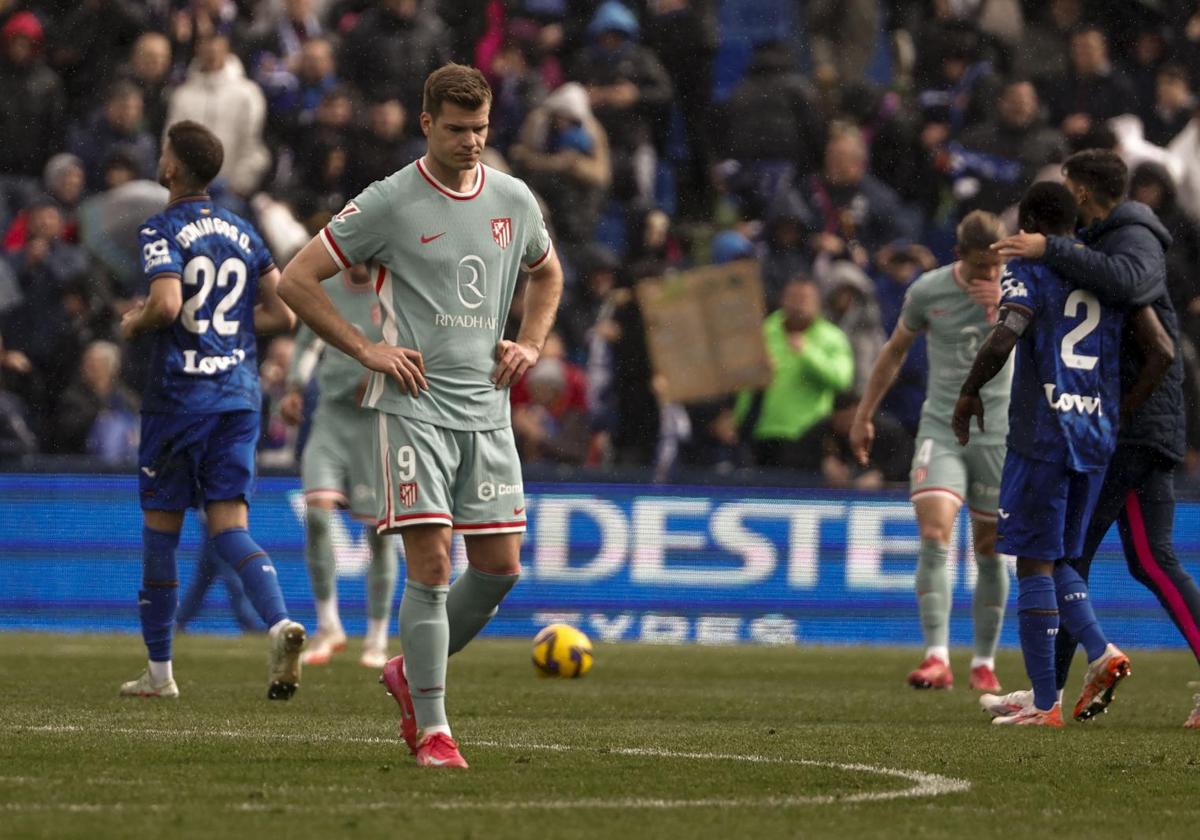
1066, 390
206, 362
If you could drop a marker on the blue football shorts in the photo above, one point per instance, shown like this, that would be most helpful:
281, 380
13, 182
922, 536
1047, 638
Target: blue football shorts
1044, 508
188, 460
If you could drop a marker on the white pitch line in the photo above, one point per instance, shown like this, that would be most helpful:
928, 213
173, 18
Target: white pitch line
68, 728
924, 784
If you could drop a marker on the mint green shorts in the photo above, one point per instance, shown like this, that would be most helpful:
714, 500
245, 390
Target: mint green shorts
339, 463
967, 474
429, 475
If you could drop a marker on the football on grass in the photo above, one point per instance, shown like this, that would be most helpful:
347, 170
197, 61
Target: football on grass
560, 650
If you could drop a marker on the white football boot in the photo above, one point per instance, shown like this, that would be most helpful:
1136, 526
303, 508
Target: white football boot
1003, 705
145, 686
283, 660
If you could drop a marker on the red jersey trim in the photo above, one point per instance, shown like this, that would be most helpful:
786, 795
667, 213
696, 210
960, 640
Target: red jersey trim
334, 251
379, 278
533, 265
457, 196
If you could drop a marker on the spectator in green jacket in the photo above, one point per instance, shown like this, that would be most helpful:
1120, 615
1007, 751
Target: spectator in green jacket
812, 360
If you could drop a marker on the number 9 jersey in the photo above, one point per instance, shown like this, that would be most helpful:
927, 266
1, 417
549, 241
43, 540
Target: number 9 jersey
1066, 391
206, 361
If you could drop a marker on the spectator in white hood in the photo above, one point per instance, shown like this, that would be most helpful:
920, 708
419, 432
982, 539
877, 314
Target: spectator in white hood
218, 95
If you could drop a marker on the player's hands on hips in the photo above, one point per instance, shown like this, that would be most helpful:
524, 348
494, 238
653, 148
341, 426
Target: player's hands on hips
291, 408
406, 366
513, 358
1030, 246
968, 406
862, 436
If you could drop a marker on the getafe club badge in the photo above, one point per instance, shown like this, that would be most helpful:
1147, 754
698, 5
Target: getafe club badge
408, 494
502, 232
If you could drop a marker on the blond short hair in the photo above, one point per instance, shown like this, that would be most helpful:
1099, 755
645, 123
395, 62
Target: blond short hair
979, 230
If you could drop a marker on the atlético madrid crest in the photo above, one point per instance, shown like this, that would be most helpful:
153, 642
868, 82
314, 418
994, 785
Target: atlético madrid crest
407, 494
502, 232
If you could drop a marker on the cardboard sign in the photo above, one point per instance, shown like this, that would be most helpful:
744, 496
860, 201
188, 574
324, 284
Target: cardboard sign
704, 331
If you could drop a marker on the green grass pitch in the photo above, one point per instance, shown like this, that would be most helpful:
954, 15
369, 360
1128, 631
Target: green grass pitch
656, 742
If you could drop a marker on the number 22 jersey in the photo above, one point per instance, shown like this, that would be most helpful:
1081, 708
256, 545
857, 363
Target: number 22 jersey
1066, 391
206, 362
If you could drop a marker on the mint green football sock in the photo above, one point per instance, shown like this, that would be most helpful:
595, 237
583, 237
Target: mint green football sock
933, 593
381, 576
991, 596
474, 598
425, 635
318, 553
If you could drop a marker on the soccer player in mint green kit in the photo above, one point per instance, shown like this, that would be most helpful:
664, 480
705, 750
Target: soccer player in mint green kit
955, 306
450, 237
338, 471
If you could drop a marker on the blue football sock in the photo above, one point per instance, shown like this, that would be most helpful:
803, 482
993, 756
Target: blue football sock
159, 595
237, 548
1037, 620
1075, 607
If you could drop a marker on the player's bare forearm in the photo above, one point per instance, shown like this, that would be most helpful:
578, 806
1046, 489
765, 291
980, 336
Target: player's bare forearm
159, 310
300, 288
542, 295
887, 367
989, 361
271, 314
1158, 354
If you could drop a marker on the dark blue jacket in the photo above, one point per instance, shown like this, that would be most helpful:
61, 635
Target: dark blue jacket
1124, 265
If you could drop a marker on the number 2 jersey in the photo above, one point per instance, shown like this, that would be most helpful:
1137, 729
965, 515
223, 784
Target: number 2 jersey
206, 362
446, 268
1066, 391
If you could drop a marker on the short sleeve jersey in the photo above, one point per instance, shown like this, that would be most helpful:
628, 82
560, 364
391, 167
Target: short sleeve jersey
1067, 387
448, 266
338, 375
955, 326
206, 362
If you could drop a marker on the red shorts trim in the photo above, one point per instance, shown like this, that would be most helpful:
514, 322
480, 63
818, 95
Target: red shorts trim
943, 491
409, 519
326, 493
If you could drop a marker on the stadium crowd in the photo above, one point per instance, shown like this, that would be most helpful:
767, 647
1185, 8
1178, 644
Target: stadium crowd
839, 154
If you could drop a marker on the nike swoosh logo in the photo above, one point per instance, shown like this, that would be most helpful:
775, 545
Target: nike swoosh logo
425, 240
149, 472
518, 511
1003, 513
144, 602
427, 690
437, 762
